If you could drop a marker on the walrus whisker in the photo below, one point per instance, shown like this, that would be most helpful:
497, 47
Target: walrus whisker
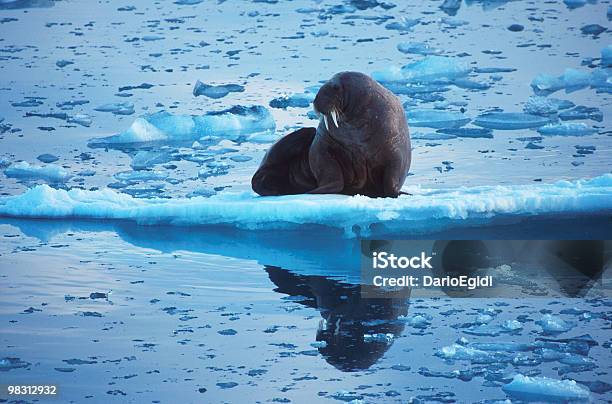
325, 122
334, 116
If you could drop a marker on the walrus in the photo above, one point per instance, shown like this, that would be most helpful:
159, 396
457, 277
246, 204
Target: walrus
361, 146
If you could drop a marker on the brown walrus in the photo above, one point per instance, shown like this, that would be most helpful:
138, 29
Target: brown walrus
361, 146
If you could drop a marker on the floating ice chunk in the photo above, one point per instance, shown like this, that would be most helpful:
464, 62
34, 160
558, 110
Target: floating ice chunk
418, 48
63, 63
545, 389
571, 4
451, 7
468, 132
494, 69
188, 2
147, 158
501, 346
575, 79
592, 29
429, 69
435, 68
80, 119
49, 172
384, 338
29, 102
510, 120
512, 325
460, 352
70, 104
552, 325
319, 344
267, 136
471, 84
404, 24
485, 330
205, 192
163, 126
582, 112
432, 118
426, 210
539, 105
566, 129
389, 74
420, 321
137, 176
215, 92
121, 108
47, 158
606, 56
571, 80
7, 364
601, 80
431, 136
301, 100
141, 86
453, 22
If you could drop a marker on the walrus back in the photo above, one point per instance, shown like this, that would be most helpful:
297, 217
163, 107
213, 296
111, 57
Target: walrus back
284, 169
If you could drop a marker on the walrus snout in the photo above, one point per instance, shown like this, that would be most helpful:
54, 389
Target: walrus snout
327, 103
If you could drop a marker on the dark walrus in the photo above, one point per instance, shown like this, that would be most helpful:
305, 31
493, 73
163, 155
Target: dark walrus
361, 146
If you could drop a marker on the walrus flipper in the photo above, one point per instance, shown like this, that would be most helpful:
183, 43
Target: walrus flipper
284, 169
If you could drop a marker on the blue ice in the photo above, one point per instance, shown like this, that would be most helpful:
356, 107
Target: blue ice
566, 129
437, 119
545, 389
300, 100
427, 70
215, 92
419, 48
552, 325
121, 108
510, 120
50, 172
426, 210
163, 126
539, 105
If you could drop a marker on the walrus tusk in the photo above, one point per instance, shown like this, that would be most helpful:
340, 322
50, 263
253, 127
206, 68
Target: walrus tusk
334, 116
325, 122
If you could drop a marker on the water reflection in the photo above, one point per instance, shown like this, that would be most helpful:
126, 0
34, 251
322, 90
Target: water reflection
347, 318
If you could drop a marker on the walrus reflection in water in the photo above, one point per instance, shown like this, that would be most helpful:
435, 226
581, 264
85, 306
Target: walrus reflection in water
346, 317
361, 146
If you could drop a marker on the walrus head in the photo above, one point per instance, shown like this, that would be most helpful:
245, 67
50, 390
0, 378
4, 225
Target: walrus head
340, 99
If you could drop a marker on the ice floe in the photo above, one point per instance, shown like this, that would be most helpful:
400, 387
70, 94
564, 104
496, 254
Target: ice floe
164, 126
429, 69
425, 210
539, 105
572, 80
510, 120
546, 389
121, 108
566, 129
215, 92
27, 171
419, 48
437, 119
552, 325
